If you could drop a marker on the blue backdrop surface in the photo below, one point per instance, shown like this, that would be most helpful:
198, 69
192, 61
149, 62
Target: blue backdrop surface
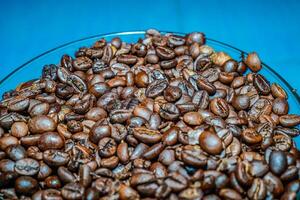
270, 27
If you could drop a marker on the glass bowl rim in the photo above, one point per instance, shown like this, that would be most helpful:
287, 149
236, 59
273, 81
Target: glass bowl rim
112, 34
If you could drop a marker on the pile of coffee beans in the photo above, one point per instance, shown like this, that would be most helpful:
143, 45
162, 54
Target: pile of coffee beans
166, 117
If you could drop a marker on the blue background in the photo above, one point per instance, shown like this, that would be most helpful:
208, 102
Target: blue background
28, 28
270, 27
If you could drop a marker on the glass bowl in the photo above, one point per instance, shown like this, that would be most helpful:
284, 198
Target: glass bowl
33, 68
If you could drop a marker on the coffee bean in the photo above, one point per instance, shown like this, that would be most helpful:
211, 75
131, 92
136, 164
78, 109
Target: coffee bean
193, 118
227, 193
289, 120
72, 191
40, 124
176, 182
219, 107
127, 193
107, 147
241, 102
50, 140
169, 111
26, 185
261, 84
253, 62
15, 152
210, 143
146, 135
55, 157
277, 162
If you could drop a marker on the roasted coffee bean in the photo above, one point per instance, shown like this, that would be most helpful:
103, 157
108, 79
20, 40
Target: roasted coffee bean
277, 91
280, 106
7, 141
165, 53
261, 84
64, 91
210, 143
41, 124
156, 88
241, 102
72, 191
250, 136
172, 93
27, 166
193, 118
277, 162
49, 71
274, 185
26, 185
128, 193
169, 111
141, 79
219, 107
55, 157
289, 120
50, 140
19, 129
253, 62
15, 152
82, 63
107, 147
176, 182
207, 86
193, 156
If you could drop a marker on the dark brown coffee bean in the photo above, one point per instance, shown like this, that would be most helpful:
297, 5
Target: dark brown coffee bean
107, 147
169, 111
193, 118
253, 62
201, 99
64, 91
219, 107
289, 120
165, 53
127, 59
110, 162
72, 191
41, 124
176, 182
122, 152
155, 88
50, 140
210, 143
250, 136
146, 135
98, 132
15, 152
65, 175
172, 93
230, 194
261, 84
82, 63
153, 151
207, 86
278, 91
19, 129
26, 185
55, 157
277, 162
7, 141
274, 185
241, 102
193, 156
167, 157
142, 178
27, 166
128, 193
168, 64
